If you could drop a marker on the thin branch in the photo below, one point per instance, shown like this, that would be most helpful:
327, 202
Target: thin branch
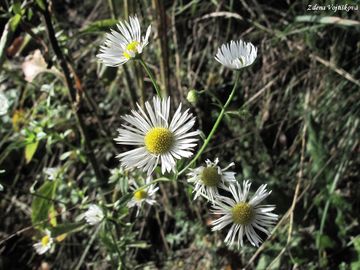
74, 95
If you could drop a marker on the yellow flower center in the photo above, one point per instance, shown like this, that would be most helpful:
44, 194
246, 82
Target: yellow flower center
131, 48
45, 240
159, 140
242, 213
210, 176
140, 195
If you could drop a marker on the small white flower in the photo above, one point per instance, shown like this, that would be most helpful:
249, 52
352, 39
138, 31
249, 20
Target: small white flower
236, 54
52, 173
208, 179
94, 214
4, 104
141, 196
244, 216
1, 187
45, 243
122, 46
156, 137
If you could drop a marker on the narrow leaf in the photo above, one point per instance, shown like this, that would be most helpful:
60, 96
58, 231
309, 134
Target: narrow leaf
42, 204
30, 150
101, 25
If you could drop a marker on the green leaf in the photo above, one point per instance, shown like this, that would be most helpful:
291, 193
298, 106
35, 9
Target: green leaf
41, 4
325, 242
101, 25
263, 262
355, 266
52, 216
14, 22
356, 242
30, 150
42, 204
16, 7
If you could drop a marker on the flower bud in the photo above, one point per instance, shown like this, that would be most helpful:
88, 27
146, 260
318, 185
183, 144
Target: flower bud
192, 96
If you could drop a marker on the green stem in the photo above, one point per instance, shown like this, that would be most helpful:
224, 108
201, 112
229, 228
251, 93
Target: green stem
112, 9
87, 248
215, 127
326, 208
161, 179
147, 70
113, 237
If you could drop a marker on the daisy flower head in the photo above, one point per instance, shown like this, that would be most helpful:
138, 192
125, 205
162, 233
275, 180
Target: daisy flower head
157, 136
244, 215
144, 195
120, 47
45, 243
208, 179
236, 54
94, 214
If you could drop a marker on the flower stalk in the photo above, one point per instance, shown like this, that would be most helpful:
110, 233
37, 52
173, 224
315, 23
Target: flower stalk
151, 76
215, 127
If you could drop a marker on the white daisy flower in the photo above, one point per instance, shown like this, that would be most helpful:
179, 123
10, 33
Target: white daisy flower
4, 104
156, 137
52, 173
94, 214
120, 47
236, 54
141, 196
244, 216
45, 243
208, 179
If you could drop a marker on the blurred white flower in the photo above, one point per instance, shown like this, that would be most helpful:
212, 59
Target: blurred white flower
236, 54
52, 173
120, 47
157, 138
1, 187
4, 104
145, 195
35, 64
94, 214
244, 216
208, 179
45, 243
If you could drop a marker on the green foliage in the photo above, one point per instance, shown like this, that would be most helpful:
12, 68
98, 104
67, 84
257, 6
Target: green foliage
325, 242
67, 228
41, 4
99, 26
30, 150
42, 206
